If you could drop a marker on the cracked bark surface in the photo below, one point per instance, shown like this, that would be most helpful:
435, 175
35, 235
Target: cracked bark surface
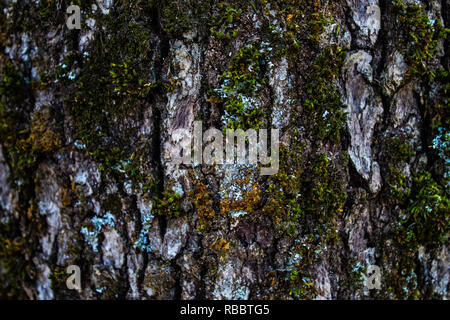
88, 118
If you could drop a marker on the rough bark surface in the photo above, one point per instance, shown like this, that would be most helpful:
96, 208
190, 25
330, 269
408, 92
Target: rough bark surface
359, 90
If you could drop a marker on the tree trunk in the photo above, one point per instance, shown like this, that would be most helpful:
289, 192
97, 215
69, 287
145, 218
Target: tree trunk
89, 117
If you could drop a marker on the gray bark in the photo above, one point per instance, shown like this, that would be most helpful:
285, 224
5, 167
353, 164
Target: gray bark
85, 176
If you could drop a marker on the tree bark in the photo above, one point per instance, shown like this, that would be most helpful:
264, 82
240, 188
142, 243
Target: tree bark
358, 89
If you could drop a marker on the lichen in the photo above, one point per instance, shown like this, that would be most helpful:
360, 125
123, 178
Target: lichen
202, 201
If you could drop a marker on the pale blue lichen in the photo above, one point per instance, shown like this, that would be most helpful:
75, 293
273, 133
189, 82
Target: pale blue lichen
237, 214
98, 223
143, 242
442, 145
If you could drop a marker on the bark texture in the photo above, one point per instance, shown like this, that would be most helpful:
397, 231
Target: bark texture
359, 90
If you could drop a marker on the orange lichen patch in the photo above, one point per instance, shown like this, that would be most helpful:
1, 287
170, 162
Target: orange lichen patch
30, 210
65, 197
247, 204
203, 205
10, 247
317, 5
41, 137
221, 246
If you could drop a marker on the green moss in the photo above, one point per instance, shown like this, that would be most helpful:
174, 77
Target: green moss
240, 85
440, 109
168, 204
114, 82
402, 281
243, 71
125, 80
178, 17
295, 281
327, 195
302, 287
224, 25
305, 199
398, 155
421, 218
304, 22
46, 9
323, 102
284, 203
298, 194
355, 274
11, 261
419, 37
11, 85
23, 143
427, 218
58, 279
